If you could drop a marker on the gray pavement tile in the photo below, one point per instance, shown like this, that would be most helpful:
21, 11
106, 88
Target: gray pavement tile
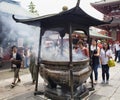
97, 97
118, 90
116, 96
27, 96
114, 83
24, 87
107, 91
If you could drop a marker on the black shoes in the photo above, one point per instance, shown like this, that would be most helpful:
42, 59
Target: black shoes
12, 85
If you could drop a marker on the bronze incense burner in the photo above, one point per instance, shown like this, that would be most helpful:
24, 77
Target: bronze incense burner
64, 75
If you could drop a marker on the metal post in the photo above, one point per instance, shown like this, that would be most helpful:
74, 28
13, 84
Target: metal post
38, 60
71, 84
70, 44
61, 46
71, 65
89, 42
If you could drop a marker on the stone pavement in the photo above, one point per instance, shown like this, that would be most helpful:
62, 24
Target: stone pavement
25, 90
109, 91
26, 86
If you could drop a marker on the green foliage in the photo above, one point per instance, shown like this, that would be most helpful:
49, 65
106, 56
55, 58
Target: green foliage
32, 8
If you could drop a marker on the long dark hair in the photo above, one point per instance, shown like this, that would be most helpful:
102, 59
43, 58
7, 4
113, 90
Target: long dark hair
108, 46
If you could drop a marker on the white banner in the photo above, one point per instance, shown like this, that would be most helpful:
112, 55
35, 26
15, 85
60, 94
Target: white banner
20, 42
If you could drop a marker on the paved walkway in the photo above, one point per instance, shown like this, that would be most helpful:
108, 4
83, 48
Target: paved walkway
25, 90
24, 87
109, 91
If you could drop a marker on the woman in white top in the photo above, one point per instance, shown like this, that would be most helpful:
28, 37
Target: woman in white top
105, 55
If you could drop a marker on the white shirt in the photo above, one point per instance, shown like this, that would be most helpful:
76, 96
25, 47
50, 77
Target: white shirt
103, 56
14, 56
93, 48
117, 47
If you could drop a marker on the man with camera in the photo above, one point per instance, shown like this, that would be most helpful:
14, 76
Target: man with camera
16, 60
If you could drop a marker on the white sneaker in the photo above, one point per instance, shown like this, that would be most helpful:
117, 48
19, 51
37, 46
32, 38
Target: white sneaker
107, 82
103, 82
95, 82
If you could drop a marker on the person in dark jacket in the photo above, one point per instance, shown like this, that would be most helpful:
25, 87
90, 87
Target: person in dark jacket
95, 52
16, 60
32, 67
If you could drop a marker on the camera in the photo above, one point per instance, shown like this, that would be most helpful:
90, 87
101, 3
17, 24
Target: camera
95, 52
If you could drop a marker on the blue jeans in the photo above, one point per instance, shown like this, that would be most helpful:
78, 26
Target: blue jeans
26, 62
105, 71
95, 70
119, 56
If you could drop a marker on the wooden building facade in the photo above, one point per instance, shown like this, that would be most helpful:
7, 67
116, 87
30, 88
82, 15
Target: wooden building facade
110, 9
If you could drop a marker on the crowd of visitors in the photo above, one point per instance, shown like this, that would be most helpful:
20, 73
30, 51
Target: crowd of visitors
101, 52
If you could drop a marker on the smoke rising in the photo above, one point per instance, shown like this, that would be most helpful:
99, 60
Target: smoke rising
53, 47
11, 32
54, 50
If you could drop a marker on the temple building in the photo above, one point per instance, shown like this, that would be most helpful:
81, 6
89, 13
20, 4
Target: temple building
110, 9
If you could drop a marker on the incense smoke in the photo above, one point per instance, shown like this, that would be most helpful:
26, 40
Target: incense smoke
53, 47
11, 32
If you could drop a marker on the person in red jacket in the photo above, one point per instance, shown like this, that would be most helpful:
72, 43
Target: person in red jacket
99, 44
83, 48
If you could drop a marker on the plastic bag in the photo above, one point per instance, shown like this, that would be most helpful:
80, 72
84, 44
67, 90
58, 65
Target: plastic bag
111, 63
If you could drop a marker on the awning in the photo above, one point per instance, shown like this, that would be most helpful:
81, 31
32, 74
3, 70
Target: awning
93, 35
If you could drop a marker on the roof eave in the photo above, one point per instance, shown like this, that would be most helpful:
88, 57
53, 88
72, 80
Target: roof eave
76, 12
